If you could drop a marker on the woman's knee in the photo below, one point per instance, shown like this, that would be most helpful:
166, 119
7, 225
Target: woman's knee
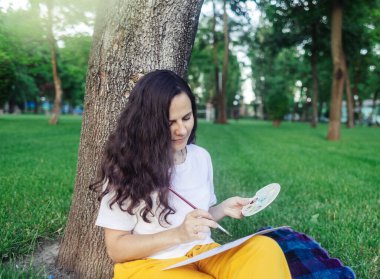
266, 244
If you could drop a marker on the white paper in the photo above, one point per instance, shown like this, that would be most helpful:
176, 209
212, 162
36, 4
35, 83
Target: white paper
221, 248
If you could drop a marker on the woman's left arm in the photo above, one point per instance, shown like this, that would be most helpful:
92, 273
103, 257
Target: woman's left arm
230, 207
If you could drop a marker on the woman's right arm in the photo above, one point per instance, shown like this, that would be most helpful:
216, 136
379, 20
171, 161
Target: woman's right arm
124, 246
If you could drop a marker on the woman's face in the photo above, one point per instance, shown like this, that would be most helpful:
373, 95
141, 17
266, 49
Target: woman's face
181, 121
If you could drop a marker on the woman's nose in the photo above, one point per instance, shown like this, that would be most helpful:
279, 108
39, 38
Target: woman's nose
181, 129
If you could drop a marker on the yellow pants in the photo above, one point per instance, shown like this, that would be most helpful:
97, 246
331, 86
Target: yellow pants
259, 257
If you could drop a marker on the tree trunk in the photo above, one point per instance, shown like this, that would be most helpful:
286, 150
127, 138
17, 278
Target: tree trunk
222, 116
374, 100
360, 108
350, 102
294, 111
338, 72
130, 38
314, 117
276, 123
355, 94
305, 108
57, 81
216, 62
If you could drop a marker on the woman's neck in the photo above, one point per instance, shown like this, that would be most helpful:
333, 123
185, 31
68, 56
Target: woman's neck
180, 156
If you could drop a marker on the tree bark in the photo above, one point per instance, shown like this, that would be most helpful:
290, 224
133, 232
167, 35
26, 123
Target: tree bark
222, 116
276, 123
57, 80
355, 92
314, 117
305, 108
338, 72
374, 100
130, 38
216, 62
360, 107
350, 102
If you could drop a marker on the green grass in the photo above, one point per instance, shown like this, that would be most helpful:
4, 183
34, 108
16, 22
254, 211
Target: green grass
13, 270
330, 190
37, 172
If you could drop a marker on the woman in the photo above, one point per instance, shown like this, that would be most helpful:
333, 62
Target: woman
146, 226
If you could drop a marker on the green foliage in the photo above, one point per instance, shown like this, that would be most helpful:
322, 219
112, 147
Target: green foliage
289, 24
281, 83
287, 28
201, 68
276, 73
361, 40
7, 77
201, 73
23, 41
278, 105
74, 60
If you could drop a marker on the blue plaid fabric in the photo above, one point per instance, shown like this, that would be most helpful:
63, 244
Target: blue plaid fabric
307, 259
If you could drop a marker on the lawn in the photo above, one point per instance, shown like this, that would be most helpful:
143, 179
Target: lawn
330, 190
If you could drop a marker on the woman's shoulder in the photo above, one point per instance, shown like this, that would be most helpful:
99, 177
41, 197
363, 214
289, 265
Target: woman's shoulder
198, 150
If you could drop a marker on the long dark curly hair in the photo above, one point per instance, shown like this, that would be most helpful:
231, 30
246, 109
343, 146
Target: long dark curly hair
138, 155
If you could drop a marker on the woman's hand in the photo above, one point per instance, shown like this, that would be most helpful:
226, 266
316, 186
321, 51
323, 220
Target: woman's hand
230, 207
195, 226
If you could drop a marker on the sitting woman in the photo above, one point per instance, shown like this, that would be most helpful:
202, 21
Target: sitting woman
148, 158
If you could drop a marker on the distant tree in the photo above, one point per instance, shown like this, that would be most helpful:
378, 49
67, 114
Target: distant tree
221, 78
22, 42
73, 64
275, 71
222, 102
218, 98
60, 15
339, 70
281, 82
54, 64
7, 77
205, 62
360, 41
299, 23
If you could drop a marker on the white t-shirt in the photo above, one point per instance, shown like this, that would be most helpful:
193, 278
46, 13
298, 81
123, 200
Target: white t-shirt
193, 180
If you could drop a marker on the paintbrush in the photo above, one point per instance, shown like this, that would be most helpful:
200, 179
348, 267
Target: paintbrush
194, 207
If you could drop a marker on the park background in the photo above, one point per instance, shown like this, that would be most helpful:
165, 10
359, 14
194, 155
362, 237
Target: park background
275, 102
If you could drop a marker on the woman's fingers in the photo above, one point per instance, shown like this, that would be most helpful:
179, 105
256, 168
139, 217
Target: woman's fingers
197, 224
202, 229
238, 201
197, 213
202, 218
233, 206
244, 201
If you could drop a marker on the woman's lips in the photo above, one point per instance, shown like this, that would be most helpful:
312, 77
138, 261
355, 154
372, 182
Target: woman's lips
179, 140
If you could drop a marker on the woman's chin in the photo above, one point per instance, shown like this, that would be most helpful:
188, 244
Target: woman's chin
179, 146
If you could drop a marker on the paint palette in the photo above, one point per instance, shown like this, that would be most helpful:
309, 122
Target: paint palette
264, 197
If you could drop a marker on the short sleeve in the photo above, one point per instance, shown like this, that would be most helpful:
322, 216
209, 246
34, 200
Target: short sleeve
213, 199
114, 218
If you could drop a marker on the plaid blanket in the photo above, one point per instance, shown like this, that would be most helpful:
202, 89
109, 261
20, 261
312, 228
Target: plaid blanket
307, 259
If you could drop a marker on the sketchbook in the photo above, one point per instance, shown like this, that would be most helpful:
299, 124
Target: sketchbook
221, 248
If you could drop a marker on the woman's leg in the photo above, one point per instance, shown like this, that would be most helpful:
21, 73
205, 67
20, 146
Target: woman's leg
152, 268
259, 257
